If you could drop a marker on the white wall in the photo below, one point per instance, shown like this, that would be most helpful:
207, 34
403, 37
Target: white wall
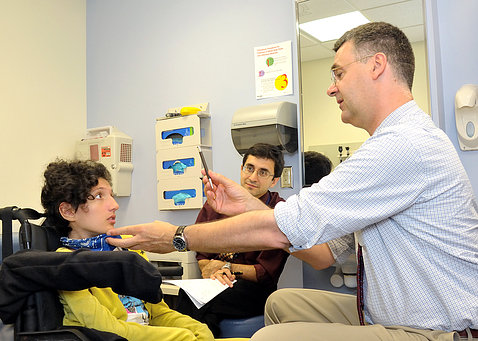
146, 56
42, 91
453, 49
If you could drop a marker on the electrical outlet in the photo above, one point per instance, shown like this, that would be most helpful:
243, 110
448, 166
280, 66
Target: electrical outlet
286, 177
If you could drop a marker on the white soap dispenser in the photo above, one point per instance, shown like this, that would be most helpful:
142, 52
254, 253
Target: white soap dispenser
466, 116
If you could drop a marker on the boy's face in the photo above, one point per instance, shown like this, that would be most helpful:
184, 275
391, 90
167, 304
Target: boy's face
97, 215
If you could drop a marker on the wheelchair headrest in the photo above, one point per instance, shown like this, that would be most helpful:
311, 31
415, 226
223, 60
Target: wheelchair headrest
38, 237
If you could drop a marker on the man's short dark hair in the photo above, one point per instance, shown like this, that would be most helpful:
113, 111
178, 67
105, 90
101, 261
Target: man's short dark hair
316, 166
375, 37
267, 151
70, 182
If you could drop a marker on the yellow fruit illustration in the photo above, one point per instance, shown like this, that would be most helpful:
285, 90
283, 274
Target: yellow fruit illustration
281, 82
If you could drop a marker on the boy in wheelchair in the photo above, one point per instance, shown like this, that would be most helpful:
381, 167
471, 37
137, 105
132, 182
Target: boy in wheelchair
78, 200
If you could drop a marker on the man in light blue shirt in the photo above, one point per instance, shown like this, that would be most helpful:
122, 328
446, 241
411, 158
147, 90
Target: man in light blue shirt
404, 193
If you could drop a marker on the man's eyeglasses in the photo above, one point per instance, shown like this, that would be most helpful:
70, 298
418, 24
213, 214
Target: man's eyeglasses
262, 173
337, 73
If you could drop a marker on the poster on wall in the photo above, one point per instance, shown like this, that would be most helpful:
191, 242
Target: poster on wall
273, 67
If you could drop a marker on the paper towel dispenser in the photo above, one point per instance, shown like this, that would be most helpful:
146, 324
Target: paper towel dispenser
273, 123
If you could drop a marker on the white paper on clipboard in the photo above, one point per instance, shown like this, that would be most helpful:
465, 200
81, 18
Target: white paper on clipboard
200, 290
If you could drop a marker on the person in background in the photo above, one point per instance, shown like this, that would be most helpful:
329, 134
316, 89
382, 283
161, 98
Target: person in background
404, 193
78, 199
337, 251
316, 166
256, 272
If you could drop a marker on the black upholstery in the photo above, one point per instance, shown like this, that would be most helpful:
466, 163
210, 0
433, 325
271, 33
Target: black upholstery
42, 316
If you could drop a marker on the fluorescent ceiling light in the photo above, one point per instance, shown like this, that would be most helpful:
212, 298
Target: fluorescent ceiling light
332, 28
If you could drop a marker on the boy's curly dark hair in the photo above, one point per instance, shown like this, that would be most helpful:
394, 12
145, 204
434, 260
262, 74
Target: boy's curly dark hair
71, 182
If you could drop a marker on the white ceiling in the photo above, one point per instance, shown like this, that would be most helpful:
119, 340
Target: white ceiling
407, 15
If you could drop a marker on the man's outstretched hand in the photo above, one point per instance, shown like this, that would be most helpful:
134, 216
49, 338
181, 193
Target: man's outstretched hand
154, 237
228, 197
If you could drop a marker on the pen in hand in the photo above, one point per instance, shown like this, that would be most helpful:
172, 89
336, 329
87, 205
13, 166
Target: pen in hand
205, 166
235, 273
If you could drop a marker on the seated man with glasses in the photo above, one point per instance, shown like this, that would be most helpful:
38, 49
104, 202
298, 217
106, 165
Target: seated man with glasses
257, 272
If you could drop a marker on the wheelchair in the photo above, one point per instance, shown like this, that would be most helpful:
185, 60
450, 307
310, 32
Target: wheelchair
41, 316
38, 315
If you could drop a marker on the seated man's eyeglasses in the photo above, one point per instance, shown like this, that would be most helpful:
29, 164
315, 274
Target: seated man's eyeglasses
262, 173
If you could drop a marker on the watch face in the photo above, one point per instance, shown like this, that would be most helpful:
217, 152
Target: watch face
179, 243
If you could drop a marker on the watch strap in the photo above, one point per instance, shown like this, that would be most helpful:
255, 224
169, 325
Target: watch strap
180, 230
179, 240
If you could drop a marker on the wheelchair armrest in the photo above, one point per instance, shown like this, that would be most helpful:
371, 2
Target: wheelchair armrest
68, 333
57, 334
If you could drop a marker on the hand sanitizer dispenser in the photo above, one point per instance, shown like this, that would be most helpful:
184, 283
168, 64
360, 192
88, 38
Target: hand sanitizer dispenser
466, 116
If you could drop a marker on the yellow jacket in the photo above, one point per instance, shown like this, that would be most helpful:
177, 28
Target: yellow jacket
101, 309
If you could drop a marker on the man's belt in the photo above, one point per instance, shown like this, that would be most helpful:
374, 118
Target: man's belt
463, 333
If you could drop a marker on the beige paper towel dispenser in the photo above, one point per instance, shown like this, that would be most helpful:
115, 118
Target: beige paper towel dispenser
273, 123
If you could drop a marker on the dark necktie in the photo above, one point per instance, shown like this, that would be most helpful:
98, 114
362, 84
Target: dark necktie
360, 272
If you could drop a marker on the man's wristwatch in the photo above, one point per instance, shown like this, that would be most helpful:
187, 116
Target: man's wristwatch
179, 242
227, 266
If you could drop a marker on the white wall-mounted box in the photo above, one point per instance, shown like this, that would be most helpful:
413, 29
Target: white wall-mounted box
112, 148
186, 259
183, 131
170, 163
190, 190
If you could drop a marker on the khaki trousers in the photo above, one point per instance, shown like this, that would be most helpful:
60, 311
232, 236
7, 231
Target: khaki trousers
316, 315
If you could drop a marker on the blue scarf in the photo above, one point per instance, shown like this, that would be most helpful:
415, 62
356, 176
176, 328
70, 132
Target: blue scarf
97, 243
